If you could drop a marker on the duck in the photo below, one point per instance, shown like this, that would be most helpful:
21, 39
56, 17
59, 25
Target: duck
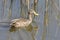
23, 22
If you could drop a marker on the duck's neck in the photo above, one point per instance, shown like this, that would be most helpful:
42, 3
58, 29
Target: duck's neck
30, 17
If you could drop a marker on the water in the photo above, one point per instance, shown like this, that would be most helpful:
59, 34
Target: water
24, 35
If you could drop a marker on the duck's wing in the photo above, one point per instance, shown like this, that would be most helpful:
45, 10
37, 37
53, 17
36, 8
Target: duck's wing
19, 20
23, 20
14, 20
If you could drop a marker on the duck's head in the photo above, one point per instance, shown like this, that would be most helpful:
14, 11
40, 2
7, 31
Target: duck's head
31, 11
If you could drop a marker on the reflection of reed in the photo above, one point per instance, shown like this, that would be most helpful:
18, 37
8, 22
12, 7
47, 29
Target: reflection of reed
22, 8
45, 22
35, 5
34, 22
4, 5
5, 1
27, 3
32, 30
10, 10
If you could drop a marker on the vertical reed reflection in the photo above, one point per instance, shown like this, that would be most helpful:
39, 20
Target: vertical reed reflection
45, 21
10, 10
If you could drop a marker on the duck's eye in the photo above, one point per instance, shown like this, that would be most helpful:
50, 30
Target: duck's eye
28, 12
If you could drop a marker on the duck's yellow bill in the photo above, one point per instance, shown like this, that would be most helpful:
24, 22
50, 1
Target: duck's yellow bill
36, 13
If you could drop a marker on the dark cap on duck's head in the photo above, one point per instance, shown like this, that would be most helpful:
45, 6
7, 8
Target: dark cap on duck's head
31, 11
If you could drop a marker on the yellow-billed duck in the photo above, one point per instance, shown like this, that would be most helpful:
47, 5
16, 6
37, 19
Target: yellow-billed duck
22, 22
